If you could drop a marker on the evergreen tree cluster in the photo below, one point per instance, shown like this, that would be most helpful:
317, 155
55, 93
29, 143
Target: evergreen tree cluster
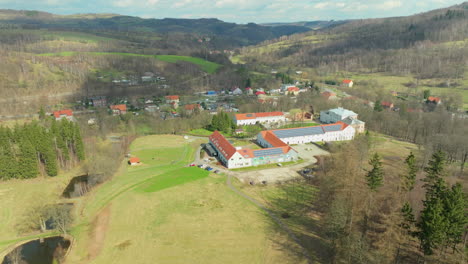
222, 122
25, 150
444, 217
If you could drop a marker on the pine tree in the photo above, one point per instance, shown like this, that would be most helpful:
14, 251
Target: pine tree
410, 177
375, 176
433, 225
378, 106
408, 218
27, 160
434, 170
456, 204
78, 142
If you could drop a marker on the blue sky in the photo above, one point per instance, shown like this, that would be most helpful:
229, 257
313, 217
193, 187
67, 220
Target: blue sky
240, 11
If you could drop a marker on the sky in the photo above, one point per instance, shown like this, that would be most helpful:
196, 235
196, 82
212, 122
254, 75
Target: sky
239, 11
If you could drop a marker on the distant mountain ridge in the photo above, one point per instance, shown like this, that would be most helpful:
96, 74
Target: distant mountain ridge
315, 25
241, 34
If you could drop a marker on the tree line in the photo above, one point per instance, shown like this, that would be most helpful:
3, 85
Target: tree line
39, 148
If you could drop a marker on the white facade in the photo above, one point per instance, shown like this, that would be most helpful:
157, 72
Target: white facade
335, 115
261, 119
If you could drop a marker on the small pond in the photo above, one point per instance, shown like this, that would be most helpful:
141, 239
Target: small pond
41, 251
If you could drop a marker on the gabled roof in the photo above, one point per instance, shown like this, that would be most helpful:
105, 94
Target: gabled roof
433, 99
192, 106
257, 115
293, 89
222, 144
342, 112
67, 112
388, 104
260, 92
172, 97
347, 81
134, 160
328, 94
120, 107
308, 131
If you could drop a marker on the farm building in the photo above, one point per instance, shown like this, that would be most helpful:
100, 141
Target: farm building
120, 109
340, 114
134, 161
348, 83
64, 114
233, 157
323, 133
253, 118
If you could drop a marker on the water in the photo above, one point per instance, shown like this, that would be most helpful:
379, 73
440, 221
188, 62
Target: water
47, 251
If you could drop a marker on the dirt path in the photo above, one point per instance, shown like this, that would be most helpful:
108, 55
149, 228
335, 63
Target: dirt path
98, 233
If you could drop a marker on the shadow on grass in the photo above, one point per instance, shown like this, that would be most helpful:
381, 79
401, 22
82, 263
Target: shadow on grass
295, 204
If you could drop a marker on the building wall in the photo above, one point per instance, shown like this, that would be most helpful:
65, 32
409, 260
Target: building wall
262, 120
237, 161
331, 117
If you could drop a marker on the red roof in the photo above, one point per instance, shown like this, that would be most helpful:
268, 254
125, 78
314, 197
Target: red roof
273, 139
257, 115
134, 160
172, 97
260, 92
192, 106
120, 107
67, 112
387, 104
293, 89
328, 94
347, 81
433, 99
248, 88
223, 145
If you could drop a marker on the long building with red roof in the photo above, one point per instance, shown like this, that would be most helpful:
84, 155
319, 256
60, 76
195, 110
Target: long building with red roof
264, 117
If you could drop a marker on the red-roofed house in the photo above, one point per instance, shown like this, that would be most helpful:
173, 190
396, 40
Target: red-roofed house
329, 95
120, 109
64, 114
348, 83
387, 105
173, 100
253, 118
249, 90
435, 100
190, 108
258, 93
293, 90
134, 161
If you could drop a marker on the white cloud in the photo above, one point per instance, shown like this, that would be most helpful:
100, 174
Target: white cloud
123, 3
389, 5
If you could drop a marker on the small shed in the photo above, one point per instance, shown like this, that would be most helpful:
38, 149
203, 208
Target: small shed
134, 161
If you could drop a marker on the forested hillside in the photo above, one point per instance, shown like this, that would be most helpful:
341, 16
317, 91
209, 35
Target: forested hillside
427, 45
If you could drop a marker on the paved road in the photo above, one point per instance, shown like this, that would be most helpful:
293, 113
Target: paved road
271, 214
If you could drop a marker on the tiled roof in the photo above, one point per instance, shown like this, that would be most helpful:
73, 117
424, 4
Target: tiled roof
191, 106
257, 115
222, 145
328, 94
347, 81
172, 97
293, 89
134, 160
433, 99
67, 112
388, 104
259, 93
120, 107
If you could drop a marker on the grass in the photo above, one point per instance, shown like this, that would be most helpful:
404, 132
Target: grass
205, 132
164, 212
299, 125
207, 66
174, 178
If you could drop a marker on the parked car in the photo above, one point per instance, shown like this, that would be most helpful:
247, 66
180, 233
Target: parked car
200, 166
209, 169
280, 165
192, 165
217, 171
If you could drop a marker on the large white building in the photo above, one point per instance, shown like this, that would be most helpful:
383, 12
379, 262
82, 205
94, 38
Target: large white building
263, 118
324, 133
233, 157
340, 114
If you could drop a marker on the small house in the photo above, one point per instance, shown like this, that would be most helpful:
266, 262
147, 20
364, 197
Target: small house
259, 93
173, 100
64, 114
293, 90
237, 91
249, 90
434, 100
347, 83
98, 101
239, 131
387, 105
329, 95
190, 108
134, 161
120, 109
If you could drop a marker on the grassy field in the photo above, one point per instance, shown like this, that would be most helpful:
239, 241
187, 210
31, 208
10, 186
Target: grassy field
165, 212
207, 66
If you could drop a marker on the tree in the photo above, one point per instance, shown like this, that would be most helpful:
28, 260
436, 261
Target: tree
248, 83
378, 106
433, 225
456, 204
426, 94
435, 169
374, 177
408, 218
27, 160
410, 177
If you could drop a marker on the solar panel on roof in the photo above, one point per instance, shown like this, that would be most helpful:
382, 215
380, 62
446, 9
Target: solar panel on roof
297, 132
332, 128
267, 152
